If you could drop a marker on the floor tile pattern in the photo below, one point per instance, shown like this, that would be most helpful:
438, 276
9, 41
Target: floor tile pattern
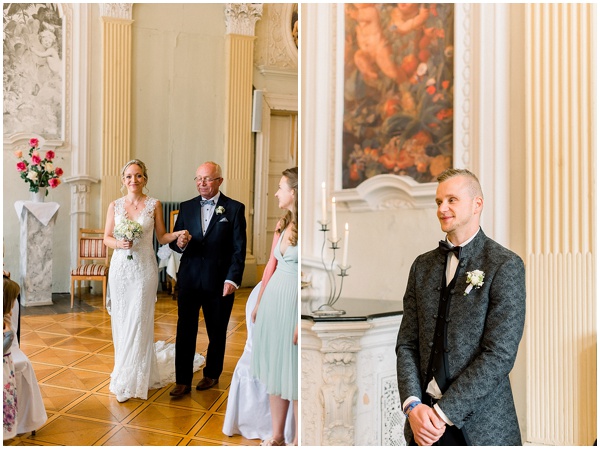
72, 355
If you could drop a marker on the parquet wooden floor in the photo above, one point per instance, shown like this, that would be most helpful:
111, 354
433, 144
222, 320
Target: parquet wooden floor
72, 355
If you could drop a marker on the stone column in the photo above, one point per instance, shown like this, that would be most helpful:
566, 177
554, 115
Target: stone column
240, 20
116, 96
37, 228
561, 224
80, 180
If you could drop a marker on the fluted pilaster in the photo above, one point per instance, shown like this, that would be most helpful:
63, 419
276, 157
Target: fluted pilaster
561, 165
116, 96
239, 155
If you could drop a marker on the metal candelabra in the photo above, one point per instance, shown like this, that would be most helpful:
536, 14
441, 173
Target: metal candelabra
327, 309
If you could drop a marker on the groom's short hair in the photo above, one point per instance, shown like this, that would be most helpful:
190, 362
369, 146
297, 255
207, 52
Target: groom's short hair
474, 185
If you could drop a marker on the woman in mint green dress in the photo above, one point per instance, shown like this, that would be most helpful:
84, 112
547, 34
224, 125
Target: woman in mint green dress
275, 343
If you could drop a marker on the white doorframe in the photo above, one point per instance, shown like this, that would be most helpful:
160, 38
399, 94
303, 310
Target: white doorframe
270, 102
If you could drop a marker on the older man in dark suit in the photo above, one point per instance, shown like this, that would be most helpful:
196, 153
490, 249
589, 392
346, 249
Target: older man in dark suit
212, 265
464, 312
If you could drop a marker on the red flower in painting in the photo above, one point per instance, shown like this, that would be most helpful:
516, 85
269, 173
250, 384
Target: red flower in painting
430, 90
424, 55
391, 107
354, 175
445, 113
50, 155
21, 166
409, 64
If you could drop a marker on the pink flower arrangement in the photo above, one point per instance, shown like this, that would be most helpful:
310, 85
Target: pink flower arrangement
38, 172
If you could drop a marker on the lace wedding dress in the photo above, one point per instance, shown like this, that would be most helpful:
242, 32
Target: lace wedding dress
140, 364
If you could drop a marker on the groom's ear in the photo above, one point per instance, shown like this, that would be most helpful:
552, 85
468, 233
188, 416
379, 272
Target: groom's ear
478, 200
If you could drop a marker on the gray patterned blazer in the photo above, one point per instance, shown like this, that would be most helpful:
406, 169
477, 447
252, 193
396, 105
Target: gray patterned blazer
484, 332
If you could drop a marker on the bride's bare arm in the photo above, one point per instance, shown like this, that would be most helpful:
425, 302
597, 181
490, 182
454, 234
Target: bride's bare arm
162, 235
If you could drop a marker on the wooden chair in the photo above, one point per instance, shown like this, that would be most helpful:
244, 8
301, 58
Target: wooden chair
91, 248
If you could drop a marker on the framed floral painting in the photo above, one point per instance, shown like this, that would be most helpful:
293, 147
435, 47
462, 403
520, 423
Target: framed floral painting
398, 94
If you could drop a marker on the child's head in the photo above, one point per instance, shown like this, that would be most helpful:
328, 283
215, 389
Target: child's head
11, 291
47, 38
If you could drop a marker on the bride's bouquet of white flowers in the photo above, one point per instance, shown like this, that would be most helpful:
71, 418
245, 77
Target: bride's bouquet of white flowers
128, 230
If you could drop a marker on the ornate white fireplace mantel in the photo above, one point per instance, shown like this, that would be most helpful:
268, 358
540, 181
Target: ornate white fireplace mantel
349, 388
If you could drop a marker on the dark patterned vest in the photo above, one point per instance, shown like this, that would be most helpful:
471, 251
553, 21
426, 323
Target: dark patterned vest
438, 361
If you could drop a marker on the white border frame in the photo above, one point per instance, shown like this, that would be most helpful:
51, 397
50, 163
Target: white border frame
270, 102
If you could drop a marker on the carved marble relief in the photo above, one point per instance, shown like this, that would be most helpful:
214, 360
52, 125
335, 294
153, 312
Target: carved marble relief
392, 422
33, 69
277, 46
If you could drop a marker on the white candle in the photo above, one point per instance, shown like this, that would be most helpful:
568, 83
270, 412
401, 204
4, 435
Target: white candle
345, 258
323, 203
333, 221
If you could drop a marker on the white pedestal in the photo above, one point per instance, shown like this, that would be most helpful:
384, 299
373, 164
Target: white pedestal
37, 228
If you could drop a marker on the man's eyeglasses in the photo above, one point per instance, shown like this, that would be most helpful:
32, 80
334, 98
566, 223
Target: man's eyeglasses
205, 179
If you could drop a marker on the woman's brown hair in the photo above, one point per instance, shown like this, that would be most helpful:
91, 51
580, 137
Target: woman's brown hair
11, 291
291, 175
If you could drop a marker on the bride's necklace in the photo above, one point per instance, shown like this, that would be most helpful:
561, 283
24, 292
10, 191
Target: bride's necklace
135, 205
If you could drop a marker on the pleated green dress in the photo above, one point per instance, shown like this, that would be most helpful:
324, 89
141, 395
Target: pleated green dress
274, 355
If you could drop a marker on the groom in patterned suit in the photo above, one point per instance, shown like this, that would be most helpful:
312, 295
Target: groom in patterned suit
464, 312
212, 265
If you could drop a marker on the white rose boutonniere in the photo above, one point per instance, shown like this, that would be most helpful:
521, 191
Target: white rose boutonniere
220, 210
474, 279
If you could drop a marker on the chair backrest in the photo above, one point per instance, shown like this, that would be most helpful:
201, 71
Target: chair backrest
173, 219
91, 245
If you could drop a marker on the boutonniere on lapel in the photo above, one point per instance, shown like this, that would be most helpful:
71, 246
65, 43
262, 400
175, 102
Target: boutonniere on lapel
220, 210
474, 279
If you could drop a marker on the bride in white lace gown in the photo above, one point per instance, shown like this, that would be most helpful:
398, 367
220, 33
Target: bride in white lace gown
140, 364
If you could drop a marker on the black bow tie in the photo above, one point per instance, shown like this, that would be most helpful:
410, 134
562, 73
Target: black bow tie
445, 249
205, 202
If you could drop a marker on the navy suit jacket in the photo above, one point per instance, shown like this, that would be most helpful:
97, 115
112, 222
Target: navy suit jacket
484, 332
218, 255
